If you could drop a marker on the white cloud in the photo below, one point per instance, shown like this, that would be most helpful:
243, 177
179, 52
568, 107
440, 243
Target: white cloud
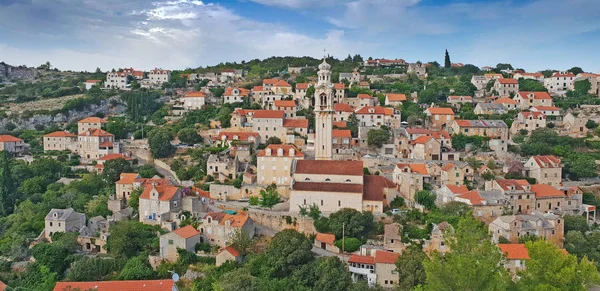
296, 4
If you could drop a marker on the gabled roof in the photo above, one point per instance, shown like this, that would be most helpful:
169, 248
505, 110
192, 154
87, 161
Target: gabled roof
295, 123
341, 133
457, 189
284, 103
301, 85
343, 107
165, 192
127, 178
448, 167
374, 188
514, 251
258, 88
96, 132
415, 168
269, 114
492, 75
395, 97
60, 133
322, 167
507, 184
421, 139
536, 95
235, 220
361, 259
383, 257
561, 75
340, 124
481, 123
458, 98
243, 91
232, 251
506, 100
339, 86
440, 111
547, 161
196, 94
286, 150
535, 114
473, 197
375, 110
282, 83
231, 135
93, 119
327, 238
545, 190
114, 157
545, 108
270, 81
364, 96
132, 285
507, 81
186, 231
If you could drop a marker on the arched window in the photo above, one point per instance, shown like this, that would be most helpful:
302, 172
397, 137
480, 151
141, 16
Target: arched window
306, 179
327, 180
348, 181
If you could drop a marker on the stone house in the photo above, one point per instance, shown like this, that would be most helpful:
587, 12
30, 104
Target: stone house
116, 80
219, 227
96, 143
480, 82
456, 174
378, 269
371, 116
545, 170
13, 145
574, 125
193, 100
546, 110
392, 238
425, 148
274, 164
528, 99
439, 118
90, 123
222, 167
515, 256
394, 99
182, 238
326, 242
289, 107
231, 138
459, 99
60, 141
235, 95
560, 82
63, 220
512, 227
505, 87
437, 242
494, 129
228, 254
125, 185
157, 77
490, 108
158, 205
510, 104
529, 121
410, 179
548, 198
342, 112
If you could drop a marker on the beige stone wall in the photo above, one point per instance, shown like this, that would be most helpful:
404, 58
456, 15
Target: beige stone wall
550, 176
326, 201
546, 204
123, 191
60, 143
387, 277
277, 221
332, 178
275, 169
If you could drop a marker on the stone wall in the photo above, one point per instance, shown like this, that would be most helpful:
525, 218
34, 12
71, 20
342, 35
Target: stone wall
9, 72
277, 221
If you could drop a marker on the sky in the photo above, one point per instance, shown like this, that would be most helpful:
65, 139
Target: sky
177, 34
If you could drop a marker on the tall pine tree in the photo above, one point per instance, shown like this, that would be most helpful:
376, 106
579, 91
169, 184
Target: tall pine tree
7, 185
447, 63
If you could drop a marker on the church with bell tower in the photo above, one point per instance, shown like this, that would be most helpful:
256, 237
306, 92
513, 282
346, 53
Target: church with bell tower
323, 104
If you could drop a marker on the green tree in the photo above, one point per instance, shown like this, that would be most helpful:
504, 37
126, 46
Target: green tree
576, 70
590, 124
269, 197
425, 198
352, 222
189, 136
378, 137
287, 251
94, 269
531, 85
242, 242
56, 257
472, 252
447, 63
136, 268
398, 202
551, 269
352, 124
159, 140
349, 244
582, 87
134, 198
325, 273
310, 92
113, 169
7, 184
583, 244
273, 140
129, 238
410, 268
577, 223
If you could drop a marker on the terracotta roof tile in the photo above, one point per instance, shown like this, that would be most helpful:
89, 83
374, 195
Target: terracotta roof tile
258, 88
364, 96
242, 92
284, 103
415, 168
96, 132
547, 161
383, 257
507, 81
269, 81
457, 189
186, 231
421, 139
473, 197
545, 190
127, 178
340, 124
286, 150
395, 97
93, 119
514, 251
535, 95
282, 83
114, 157
343, 107
295, 123
165, 192
328, 187
327, 238
196, 94
440, 111
60, 134
339, 86
375, 110
269, 114
448, 167
374, 189
506, 100
362, 259
302, 86
232, 251
321, 167
342, 133
230, 135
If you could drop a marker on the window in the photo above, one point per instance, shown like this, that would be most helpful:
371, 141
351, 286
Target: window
327, 180
306, 179
170, 241
51, 223
339, 203
321, 202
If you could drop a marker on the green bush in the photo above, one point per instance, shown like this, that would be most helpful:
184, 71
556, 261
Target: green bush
350, 244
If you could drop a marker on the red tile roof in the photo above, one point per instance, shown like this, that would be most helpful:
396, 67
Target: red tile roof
295, 123
374, 189
138, 73
269, 114
60, 134
514, 251
395, 97
508, 183
106, 144
243, 91
232, 251
284, 103
473, 197
230, 135
127, 178
198, 94
235, 220
466, 98
448, 167
536, 95
457, 189
286, 150
383, 257
561, 75
375, 110
301, 85
421, 139
93, 119
282, 83
339, 86
506, 100
270, 81
415, 168
364, 96
328, 187
186, 231
137, 285
535, 114
341, 133
165, 192
362, 259
440, 111
507, 81
343, 107
545, 190
547, 161
327, 238
96, 132
321, 167
340, 124
258, 88
546, 108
